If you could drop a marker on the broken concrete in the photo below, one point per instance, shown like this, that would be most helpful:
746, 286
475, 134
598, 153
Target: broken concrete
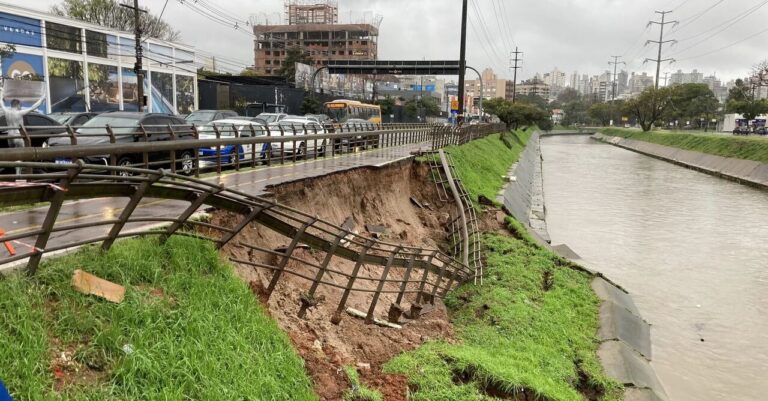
624, 364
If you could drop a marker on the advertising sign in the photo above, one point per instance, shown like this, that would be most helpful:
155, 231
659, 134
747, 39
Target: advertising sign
20, 30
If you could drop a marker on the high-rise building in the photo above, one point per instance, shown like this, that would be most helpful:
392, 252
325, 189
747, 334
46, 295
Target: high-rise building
680, 77
533, 86
493, 87
313, 28
640, 82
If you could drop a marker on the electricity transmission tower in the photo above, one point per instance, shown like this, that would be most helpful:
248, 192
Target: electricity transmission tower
516, 66
661, 42
615, 64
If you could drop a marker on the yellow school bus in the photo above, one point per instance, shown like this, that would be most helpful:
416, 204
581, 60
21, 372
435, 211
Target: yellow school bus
343, 110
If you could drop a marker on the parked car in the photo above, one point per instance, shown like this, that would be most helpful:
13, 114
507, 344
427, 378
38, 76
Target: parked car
39, 127
231, 153
298, 126
354, 125
272, 117
761, 131
742, 130
321, 118
126, 127
202, 117
73, 119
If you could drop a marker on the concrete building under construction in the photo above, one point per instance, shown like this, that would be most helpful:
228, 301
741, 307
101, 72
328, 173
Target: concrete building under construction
314, 28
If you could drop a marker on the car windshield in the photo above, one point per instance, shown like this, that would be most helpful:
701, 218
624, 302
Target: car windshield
201, 116
61, 118
269, 118
120, 125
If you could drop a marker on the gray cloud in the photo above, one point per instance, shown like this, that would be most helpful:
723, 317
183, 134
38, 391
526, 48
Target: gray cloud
573, 35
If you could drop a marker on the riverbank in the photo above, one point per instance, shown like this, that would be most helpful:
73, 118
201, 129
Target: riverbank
530, 331
737, 147
744, 167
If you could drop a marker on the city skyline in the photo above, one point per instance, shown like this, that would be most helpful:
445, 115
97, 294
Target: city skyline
604, 29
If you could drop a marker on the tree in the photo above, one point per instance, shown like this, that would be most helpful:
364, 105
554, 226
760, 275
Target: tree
292, 56
310, 105
6, 51
426, 106
108, 13
518, 114
387, 105
749, 108
602, 113
568, 95
649, 106
692, 102
535, 100
739, 92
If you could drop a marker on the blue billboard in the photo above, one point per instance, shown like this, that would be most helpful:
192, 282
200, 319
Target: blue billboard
18, 30
425, 88
23, 66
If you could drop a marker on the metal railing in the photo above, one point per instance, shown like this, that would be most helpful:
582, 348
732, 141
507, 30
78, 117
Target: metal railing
400, 271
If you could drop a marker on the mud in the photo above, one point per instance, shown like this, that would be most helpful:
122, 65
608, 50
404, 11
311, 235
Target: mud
368, 196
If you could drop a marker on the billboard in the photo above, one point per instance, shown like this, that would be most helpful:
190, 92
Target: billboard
24, 67
18, 30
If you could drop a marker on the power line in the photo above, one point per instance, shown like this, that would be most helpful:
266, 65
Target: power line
687, 22
661, 41
615, 64
727, 46
484, 30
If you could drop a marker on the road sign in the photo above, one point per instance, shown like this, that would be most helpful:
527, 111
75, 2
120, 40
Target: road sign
455, 105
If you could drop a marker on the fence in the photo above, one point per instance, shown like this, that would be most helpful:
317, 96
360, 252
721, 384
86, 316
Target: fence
401, 270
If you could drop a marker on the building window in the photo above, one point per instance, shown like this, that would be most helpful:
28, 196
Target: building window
62, 37
267, 52
268, 62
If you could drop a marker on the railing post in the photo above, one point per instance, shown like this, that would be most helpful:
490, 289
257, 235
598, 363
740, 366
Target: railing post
173, 152
253, 145
112, 140
199, 200
395, 310
380, 287
307, 300
218, 148
196, 134
237, 148
138, 195
145, 154
336, 319
50, 218
288, 253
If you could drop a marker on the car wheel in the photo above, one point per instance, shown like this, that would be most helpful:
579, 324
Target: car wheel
302, 151
124, 162
234, 156
322, 150
186, 163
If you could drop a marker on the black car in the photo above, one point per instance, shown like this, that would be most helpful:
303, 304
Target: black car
202, 117
126, 126
74, 119
39, 127
761, 131
742, 130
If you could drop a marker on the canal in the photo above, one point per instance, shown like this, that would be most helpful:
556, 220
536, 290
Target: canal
691, 248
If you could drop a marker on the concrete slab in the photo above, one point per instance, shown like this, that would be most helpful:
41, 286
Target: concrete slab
609, 292
629, 368
618, 323
566, 252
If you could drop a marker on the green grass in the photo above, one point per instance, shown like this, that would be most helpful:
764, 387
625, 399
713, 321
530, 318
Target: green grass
482, 164
747, 148
359, 392
195, 330
515, 335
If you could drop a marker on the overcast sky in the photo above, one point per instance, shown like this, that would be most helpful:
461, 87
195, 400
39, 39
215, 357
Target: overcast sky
721, 37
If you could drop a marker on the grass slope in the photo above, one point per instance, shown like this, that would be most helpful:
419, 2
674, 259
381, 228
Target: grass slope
529, 332
747, 148
483, 163
194, 330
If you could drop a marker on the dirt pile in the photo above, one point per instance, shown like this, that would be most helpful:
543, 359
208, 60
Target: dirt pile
403, 201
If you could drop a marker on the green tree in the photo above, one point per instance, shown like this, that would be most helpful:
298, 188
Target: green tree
108, 13
426, 106
535, 100
310, 105
387, 105
749, 108
518, 114
740, 91
292, 56
601, 113
649, 106
692, 102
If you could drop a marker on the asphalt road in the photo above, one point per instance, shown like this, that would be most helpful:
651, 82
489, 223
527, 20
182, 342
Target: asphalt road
253, 182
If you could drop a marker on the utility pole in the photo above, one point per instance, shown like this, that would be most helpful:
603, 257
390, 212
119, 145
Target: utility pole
137, 68
666, 75
516, 66
661, 41
462, 59
615, 64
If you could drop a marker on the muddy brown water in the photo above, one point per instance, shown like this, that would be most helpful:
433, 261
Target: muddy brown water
691, 248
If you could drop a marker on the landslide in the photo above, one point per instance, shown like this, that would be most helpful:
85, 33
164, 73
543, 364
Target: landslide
365, 196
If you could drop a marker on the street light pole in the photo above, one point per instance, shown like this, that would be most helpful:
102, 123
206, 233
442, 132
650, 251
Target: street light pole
462, 59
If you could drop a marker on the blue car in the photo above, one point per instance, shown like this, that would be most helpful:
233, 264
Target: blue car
230, 154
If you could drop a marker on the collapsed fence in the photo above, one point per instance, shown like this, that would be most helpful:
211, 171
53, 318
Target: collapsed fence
419, 274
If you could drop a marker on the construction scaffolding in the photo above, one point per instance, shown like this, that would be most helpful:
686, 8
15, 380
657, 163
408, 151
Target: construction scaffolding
302, 12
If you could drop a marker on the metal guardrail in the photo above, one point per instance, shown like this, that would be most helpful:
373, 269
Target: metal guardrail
427, 273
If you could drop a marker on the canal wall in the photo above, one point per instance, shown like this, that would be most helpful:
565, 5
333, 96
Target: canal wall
625, 337
523, 197
747, 172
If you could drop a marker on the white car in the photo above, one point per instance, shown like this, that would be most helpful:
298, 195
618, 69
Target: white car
299, 127
227, 128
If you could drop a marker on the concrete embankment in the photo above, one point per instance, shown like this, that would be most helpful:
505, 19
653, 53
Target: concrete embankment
524, 196
625, 337
747, 172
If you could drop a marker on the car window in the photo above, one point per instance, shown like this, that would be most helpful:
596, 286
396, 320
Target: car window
80, 120
37, 121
